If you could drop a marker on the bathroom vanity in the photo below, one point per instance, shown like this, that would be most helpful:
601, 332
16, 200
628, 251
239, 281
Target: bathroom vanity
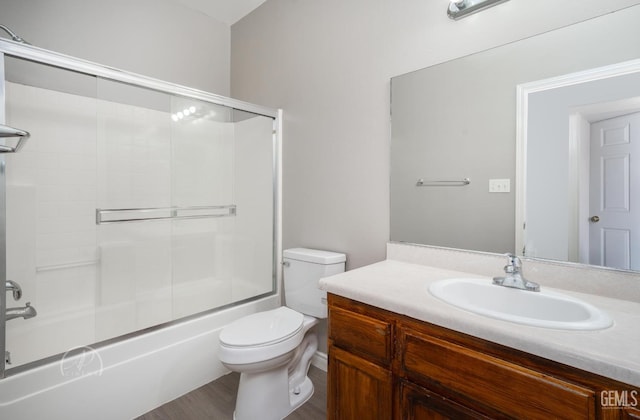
396, 352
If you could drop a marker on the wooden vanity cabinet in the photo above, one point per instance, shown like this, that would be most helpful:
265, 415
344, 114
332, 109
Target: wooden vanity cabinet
387, 366
360, 356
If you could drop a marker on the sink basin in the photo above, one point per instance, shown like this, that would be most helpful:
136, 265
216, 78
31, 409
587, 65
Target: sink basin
545, 309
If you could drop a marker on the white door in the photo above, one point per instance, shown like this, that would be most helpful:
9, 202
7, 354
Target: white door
614, 197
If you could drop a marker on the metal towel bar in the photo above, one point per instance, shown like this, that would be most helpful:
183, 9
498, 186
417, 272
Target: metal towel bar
7, 132
105, 216
442, 183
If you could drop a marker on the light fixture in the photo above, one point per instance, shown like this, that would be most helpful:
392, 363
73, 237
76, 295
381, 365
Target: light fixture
461, 8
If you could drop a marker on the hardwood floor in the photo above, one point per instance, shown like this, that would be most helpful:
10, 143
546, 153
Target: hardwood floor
216, 400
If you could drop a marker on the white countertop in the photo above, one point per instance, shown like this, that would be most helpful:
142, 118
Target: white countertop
401, 287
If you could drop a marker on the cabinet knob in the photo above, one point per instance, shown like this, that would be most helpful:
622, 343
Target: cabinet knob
595, 219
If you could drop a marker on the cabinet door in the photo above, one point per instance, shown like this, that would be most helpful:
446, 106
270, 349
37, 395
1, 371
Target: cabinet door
418, 403
357, 389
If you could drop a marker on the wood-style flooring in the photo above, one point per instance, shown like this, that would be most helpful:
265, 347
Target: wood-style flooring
216, 401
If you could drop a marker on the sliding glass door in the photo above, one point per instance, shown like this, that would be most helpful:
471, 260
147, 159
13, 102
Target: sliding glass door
127, 208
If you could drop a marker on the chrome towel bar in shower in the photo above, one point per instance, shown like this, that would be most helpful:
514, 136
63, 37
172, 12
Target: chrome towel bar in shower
8, 132
105, 216
443, 183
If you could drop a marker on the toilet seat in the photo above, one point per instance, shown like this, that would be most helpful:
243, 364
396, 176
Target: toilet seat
263, 328
262, 336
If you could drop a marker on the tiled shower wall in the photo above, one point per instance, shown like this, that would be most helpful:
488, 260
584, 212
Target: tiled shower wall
93, 282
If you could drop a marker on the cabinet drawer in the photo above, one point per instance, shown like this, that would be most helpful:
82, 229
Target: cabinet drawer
368, 337
513, 390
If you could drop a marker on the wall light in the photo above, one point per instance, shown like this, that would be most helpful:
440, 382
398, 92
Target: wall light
461, 8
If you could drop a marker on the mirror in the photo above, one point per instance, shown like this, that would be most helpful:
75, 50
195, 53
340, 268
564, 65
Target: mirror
457, 120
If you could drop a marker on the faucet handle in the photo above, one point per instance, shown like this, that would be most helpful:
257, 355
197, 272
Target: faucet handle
514, 264
14, 287
513, 259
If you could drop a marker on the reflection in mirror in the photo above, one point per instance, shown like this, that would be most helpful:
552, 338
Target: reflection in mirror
592, 122
457, 120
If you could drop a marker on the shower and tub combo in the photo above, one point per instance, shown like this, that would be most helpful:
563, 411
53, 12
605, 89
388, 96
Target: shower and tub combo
139, 218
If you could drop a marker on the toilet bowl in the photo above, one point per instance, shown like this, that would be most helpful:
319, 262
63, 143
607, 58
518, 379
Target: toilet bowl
283, 343
272, 349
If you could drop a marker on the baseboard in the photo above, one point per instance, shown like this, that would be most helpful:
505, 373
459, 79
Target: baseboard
319, 360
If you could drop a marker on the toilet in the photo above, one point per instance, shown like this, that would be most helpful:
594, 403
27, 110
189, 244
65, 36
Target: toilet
272, 350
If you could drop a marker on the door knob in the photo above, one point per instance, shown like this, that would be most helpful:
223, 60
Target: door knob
595, 219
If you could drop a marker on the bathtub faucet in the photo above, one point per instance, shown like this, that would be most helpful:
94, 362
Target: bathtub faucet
25, 312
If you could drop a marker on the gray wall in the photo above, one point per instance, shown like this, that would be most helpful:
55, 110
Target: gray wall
157, 38
328, 65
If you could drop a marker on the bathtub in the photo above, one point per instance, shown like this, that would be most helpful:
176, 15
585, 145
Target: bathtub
128, 378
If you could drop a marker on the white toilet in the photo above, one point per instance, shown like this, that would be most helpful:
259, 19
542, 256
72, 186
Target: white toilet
272, 350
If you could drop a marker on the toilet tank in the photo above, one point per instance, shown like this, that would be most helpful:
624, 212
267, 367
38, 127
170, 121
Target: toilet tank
303, 268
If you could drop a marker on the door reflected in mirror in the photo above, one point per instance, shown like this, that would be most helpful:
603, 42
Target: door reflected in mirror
591, 120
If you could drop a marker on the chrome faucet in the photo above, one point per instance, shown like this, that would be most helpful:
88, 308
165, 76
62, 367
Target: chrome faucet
514, 276
14, 287
25, 312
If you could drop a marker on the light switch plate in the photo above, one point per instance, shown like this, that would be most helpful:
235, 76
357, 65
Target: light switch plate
499, 185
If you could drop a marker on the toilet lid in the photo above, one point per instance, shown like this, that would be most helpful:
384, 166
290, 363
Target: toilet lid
262, 328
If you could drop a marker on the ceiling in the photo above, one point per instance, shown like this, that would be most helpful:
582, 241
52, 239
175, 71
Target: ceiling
227, 11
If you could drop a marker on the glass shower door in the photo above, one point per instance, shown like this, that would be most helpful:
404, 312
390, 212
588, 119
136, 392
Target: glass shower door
50, 200
203, 178
129, 208
132, 217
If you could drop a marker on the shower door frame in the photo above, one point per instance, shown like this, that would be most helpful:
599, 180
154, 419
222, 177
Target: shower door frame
65, 62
